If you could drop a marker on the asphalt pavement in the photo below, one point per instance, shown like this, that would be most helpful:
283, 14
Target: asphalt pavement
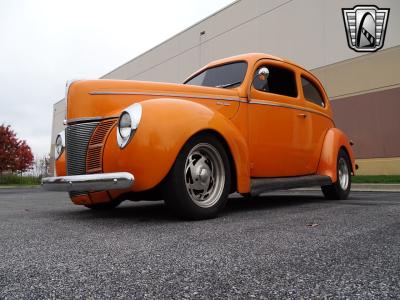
280, 245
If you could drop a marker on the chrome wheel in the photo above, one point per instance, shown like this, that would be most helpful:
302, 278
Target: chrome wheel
343, 171
204, 175
340, 189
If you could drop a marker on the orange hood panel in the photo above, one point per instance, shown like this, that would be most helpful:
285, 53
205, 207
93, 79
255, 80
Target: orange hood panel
107, 98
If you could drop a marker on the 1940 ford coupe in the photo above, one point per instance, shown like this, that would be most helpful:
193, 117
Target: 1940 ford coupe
246, 124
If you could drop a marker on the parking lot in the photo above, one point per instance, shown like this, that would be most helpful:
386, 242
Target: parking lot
287, 244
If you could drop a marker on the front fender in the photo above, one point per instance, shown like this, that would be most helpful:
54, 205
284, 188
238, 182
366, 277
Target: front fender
334, 140
166, 125
61, 165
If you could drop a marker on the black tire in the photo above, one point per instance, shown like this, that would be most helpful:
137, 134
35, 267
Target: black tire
340, 189
105, 206
198, 183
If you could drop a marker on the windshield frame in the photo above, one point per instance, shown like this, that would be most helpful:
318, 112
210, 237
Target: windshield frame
216, 66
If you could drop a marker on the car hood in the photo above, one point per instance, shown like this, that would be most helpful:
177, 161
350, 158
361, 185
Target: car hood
107, 98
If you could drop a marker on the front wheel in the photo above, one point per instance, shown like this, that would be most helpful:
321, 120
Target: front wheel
340, 190
198, 184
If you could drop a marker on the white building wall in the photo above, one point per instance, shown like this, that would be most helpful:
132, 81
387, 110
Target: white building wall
309, 32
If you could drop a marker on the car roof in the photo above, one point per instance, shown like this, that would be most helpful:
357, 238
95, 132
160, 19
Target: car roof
249, 57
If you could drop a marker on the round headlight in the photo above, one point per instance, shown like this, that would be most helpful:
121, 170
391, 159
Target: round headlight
124, 125
59, 147
128, 123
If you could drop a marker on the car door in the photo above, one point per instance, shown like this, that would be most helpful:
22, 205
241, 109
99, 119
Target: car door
317, 104
279, 128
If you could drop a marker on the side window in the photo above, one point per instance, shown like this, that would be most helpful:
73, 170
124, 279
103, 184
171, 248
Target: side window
311, 92
276, 80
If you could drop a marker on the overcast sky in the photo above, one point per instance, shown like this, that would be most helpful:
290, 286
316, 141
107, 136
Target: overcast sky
43, 43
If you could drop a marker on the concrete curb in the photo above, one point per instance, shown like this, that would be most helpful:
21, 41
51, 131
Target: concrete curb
366, 187
375, 187
20, 186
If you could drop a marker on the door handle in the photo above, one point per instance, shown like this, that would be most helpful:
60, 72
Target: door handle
222, 103
302, 116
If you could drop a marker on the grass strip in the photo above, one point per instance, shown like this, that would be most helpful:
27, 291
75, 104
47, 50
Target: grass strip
376, 179
13, 179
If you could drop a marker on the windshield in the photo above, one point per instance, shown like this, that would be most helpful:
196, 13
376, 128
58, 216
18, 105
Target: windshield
225, 76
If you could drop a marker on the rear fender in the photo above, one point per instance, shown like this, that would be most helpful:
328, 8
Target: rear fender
335, 139
166, 125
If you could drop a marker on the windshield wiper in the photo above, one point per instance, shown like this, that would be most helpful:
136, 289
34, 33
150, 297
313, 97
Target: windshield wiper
228, 84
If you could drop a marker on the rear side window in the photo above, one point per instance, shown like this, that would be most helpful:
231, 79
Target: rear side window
279, 81
311, 92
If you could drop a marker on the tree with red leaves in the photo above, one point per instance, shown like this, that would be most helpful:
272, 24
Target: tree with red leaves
24, 157
8, 148
15, 155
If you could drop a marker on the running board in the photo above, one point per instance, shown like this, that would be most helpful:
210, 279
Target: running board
261, 185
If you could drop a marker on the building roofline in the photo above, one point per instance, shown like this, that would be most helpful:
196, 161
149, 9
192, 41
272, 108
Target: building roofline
59, 101
174, 36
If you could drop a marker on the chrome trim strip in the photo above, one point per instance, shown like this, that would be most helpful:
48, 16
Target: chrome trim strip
270, 103
169, 95
88, 119
89, 183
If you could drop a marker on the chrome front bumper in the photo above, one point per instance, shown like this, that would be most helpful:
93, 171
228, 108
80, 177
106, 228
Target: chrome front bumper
89, 183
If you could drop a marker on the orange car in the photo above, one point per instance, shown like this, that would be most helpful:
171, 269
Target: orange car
247, 124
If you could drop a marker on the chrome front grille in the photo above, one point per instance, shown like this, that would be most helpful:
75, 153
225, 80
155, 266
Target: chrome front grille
94, 158
77, 138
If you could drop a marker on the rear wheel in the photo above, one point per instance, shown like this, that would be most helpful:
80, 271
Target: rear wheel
341, 188
198, 184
